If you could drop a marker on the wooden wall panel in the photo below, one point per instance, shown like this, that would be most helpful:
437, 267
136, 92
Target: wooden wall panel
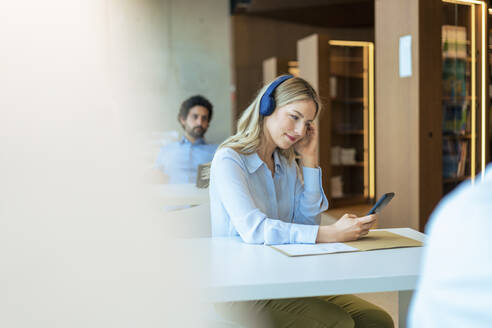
273, 67
397, 113
314, 67
430, 103
256, 38
308, 59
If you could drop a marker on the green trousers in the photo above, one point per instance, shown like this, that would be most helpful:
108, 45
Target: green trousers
343, 311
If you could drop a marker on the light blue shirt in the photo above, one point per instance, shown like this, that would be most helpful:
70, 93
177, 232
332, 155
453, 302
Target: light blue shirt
455, 288
246, 200
180, 160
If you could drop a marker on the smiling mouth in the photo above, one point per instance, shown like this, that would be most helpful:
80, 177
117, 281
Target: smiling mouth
291, 138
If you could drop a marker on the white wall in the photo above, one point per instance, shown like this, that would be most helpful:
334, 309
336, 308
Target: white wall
81, 240
166, 51
201, 59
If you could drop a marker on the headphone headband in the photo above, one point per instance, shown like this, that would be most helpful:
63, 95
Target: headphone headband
267, 101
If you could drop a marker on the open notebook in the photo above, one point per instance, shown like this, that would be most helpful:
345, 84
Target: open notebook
376, 239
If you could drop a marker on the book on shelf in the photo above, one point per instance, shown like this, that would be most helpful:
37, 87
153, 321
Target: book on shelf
454, 157
454, 61
456, 118
462, 161
343, 156
453, 41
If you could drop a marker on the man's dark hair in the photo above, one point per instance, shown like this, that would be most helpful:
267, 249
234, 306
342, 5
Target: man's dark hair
193, 101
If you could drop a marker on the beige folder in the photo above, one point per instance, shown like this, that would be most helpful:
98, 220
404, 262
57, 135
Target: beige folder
382, 240
375, 239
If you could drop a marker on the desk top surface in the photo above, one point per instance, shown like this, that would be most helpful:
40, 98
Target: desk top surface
182, 194
230, 270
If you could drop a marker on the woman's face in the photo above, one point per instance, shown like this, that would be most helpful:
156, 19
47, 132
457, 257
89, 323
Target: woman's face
288, 124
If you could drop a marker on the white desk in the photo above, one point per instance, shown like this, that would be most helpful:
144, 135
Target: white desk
231, 270
181, 194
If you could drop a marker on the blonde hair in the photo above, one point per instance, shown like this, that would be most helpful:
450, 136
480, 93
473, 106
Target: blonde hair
247, 139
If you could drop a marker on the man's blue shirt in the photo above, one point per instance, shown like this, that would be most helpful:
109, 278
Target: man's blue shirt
179, 160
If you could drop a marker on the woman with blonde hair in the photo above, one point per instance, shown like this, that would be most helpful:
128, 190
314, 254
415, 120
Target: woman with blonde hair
257, 193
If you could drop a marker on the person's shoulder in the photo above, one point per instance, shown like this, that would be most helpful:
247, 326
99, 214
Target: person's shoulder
226, 152
225, 157
479, 195
471, 201
170, 146
468, 194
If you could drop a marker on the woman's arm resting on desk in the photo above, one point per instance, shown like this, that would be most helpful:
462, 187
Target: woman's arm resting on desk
231, 182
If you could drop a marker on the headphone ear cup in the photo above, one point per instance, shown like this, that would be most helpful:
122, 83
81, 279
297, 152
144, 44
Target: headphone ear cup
267, 106
267, 101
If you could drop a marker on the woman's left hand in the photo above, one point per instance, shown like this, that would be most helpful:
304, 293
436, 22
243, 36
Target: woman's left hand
307, 147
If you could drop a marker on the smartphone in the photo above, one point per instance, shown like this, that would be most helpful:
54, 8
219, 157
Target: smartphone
381, 203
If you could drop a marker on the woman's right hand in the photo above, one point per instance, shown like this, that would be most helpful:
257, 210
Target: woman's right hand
349, 227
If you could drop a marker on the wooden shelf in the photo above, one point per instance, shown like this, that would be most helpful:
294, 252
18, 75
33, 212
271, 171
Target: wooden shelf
348, 75
446, 98
354, 100
350, 132
344, 78
351, 199
451, 136
468, 58
346, 59
357, 164
454, 180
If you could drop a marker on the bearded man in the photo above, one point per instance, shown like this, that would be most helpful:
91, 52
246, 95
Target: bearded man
179, 160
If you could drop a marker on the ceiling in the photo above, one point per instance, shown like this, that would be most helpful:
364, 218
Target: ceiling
323, 13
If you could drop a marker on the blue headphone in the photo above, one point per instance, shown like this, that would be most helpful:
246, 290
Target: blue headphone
267, 101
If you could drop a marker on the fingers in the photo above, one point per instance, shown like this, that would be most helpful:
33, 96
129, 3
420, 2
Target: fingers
366, 224
349, 216
364, 231
311, 129
367, 219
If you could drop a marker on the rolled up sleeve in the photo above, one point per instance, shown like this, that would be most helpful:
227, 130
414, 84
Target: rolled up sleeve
310, 198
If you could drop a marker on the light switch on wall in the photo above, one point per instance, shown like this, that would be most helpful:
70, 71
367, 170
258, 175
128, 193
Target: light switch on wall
405, 54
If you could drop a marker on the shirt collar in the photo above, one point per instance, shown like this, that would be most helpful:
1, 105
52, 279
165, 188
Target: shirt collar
277, 161
253, 162
199, 141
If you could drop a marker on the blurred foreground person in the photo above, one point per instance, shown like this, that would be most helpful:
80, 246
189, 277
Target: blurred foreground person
455, 288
